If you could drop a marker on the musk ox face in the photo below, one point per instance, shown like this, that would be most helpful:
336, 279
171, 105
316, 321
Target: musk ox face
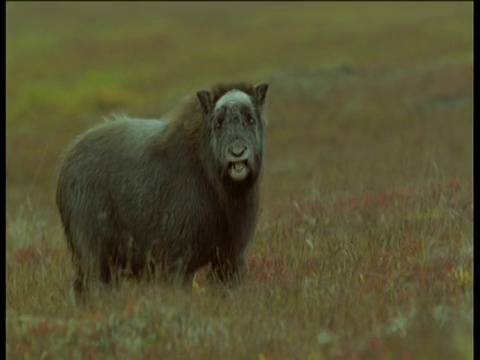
235, 127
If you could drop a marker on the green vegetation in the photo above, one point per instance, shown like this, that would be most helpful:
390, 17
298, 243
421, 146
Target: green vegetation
365, 243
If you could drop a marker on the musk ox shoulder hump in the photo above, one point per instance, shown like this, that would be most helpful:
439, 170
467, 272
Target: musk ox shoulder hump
119, 133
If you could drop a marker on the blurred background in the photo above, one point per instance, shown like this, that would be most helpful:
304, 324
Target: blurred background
364, 96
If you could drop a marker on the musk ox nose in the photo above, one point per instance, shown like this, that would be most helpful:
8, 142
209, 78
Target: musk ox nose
238, 150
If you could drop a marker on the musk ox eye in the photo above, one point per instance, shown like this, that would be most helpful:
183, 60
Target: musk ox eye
218, 123
219, 119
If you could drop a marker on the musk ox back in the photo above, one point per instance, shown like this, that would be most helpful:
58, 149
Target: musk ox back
174, 194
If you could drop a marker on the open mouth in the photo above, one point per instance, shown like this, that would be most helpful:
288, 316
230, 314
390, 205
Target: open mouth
238, 170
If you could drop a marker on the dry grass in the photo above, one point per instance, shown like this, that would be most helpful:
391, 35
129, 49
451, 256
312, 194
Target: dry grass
364, 248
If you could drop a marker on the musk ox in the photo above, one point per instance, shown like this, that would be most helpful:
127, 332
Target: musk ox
175, 194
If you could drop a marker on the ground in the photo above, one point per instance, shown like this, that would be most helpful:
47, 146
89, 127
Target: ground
364, 248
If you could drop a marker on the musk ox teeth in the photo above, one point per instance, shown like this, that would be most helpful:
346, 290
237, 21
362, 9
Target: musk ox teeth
238, 171
238, 166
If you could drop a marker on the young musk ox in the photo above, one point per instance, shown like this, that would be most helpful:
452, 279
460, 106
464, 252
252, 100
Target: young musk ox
176, 193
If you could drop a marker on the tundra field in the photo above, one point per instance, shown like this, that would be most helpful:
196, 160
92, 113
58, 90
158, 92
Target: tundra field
364, 247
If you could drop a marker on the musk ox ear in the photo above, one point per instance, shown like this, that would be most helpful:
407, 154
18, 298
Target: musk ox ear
205, 100
260, 93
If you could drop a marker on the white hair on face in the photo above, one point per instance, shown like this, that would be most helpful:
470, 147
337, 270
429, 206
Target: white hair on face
233, 97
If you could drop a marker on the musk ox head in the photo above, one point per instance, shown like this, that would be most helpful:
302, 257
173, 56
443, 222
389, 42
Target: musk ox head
234, 120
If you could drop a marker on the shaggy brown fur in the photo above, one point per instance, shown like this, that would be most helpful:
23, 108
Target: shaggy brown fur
176, 193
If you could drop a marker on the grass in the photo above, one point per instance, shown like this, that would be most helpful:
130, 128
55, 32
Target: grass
364, 247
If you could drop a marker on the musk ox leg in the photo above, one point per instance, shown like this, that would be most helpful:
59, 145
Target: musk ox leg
188, 279
79, 283
89, 244
180, 279
178, 275
228, 270
86, 275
